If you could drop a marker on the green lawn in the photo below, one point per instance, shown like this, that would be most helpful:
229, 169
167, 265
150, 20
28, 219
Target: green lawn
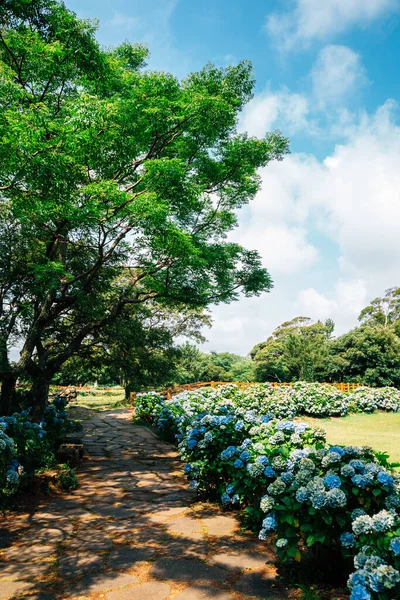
95, 400
381, 431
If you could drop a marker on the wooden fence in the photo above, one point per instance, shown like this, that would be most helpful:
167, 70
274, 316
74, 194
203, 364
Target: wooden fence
169, 392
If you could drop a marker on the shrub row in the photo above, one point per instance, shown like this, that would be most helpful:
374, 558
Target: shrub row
26, 446
307, 496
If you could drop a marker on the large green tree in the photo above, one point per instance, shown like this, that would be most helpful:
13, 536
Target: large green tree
295, 351
118, 186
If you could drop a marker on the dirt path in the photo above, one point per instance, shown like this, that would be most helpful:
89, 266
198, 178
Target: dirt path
132, 531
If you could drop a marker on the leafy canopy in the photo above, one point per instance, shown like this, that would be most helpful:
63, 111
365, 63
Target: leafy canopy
118, 185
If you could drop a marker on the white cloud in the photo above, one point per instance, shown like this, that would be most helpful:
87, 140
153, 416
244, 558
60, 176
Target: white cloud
336, 74
284, 249
327, 230
269, 110
323, 19
123, 21
344, 306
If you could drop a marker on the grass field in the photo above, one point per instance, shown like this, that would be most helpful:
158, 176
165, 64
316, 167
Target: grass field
96, 400
380, 430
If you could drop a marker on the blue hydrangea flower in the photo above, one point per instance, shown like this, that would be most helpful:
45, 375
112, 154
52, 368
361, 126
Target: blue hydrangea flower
332, 481
225, 499
269, 523
246, 443
285, 426
287, 478
301, 427
347, 471
302, 494
187, 468
357, 578
230, 489
262, 460
383, 577
228, 453
360, 481
385, 479
363, 524
269, 472
347, 539
255, 469
318, 500
358, 465
337, 449
266, 503
395, 545
239, 426
192, 443
238, 464
245, 456
359, 592
382, 521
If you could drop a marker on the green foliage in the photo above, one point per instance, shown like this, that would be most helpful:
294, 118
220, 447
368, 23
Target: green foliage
118, 185
303, 350
383, 311
27, 446
368, 354
194, 365
138, 350
67, 479
295, 351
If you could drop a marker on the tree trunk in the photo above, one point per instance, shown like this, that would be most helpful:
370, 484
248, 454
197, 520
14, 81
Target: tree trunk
7, 396
39, 395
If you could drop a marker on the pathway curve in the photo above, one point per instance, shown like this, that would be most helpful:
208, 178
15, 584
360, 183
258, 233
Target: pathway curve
132, 531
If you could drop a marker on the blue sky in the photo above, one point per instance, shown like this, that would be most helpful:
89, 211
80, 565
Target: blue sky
327, 221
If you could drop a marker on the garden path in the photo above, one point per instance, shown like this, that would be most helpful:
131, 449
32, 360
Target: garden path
131, 531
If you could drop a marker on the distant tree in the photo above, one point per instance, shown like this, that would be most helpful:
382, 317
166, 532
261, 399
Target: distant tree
367, 354
295, 351
236, 367
118, 186
139, 350
195, 365
383, 311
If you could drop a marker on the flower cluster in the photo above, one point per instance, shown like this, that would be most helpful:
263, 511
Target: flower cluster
377, 564
26, 445
313, 399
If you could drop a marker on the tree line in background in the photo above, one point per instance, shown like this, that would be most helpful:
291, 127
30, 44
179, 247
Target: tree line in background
368, 354
145, 354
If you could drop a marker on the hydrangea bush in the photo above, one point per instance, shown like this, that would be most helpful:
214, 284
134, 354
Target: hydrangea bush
9, 477
26, 445
243, 447
377, 564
